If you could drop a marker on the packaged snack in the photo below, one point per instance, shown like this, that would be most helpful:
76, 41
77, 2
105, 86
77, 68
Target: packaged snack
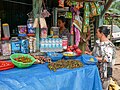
93, 10
43, 33
22, 29
98, 8
61, 3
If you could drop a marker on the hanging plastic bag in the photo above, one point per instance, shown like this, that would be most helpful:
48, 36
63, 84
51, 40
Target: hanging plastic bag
45, 13
43, 23
35, 24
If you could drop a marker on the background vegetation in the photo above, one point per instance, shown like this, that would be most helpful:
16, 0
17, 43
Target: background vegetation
113, 11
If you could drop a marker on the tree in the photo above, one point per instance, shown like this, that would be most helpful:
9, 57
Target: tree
112, 11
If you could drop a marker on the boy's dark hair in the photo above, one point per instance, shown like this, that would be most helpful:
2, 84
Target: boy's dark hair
62, 18
104, 30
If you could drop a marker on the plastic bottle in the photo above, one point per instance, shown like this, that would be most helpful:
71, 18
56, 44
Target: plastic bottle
53, 45
15, 45
32, 42
6, 47
6, 30
61, 47
42, 41
24, 43
30, 22
46, 48
49, 44
57, 45
54, 32
64, 42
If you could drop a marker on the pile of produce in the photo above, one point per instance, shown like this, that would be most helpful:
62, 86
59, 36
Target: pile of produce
75, 49
70, 64
23, 59
41, 59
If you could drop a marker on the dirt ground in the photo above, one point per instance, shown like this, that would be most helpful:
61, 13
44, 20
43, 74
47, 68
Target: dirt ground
116, 68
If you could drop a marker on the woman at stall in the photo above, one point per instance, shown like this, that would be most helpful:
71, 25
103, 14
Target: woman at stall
104, 51
63, 30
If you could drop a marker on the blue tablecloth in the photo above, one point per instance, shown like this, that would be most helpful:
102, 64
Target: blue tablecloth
39, 77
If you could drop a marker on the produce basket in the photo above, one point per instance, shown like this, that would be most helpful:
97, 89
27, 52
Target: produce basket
21, 64
69, 55
5, 65
55, 56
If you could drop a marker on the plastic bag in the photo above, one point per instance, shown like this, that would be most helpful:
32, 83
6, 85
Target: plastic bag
88, 59
43, 23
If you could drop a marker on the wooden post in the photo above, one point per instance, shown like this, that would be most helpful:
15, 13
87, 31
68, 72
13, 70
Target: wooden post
82, 45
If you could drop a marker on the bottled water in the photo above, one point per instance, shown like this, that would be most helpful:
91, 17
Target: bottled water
60, 45
42, 45
46, 48
51, 45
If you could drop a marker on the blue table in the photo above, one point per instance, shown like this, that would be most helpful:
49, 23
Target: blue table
39, 77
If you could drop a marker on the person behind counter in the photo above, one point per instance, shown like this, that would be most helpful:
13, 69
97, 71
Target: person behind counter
63, 30
104, 51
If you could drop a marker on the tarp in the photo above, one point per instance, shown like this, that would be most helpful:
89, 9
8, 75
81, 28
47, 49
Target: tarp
39, 77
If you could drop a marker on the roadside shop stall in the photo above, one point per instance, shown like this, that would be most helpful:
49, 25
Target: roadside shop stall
42, 60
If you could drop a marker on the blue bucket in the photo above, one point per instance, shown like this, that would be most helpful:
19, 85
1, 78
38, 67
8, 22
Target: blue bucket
55, 56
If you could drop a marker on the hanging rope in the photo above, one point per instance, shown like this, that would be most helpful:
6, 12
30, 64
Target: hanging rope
17, 2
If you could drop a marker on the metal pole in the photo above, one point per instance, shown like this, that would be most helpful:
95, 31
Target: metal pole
37, 4
55, 17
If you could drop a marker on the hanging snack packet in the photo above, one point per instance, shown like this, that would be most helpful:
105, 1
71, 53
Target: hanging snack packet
86, 17
87, 10
43, 23
98, 8
68, 2
35, 24
81, 4
93, 11
61, 3
68, 15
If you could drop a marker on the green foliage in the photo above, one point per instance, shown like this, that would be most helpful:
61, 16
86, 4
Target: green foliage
114, 9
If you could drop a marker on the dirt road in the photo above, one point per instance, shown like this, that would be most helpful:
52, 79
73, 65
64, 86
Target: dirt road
116, 68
